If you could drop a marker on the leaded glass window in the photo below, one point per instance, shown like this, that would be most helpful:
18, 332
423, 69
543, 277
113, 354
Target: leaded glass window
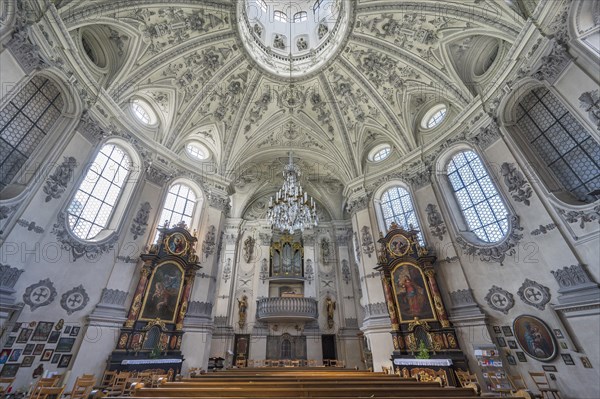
301, 16
280, 16
561, 142
179, 205
477, 197
92, 206
397, 206
24, 122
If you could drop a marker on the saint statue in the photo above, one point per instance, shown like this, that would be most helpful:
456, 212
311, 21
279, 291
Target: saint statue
242, 307
330, 307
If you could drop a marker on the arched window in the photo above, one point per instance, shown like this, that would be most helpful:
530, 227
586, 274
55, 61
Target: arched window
300, 16
477, 197
280, 16
262, 5
92, 205
561, 143
397, 206
179, 205
286, 349
24, 122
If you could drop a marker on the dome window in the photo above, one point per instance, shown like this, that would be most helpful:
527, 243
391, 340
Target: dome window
380, 153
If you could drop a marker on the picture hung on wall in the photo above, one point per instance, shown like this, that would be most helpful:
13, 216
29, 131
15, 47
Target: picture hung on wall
558, 333
512, 344
9, 342
4, 354
75, 331
64, 361
14, 356
501, 342
535, 338
67, 330
521, 356
163, 293
54, 336
549, 368
511, 360
568, 359
42, 331
497, 330
16, 327
412, 294
176, 244
47, 355
507, 331
24, 335
27, 361
28, 349
586, 362
55, 358
65, 344
9, 370
39, 348
563, 345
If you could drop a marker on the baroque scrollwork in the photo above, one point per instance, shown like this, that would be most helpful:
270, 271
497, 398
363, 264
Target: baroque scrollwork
571, 276
346, 274
208, 246
9, 276
437, 227
140, 222
367, 241
519, 188
534, 294
581, 217
91, 251
30, 226
57, 182
590, 103
113, 297
495, 253
499, 299
543, 229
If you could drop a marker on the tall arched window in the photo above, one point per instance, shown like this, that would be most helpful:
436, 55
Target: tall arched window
92, 205
397, 206
179, 205
561, 143
280, 16
286, 349
479, 201
24, 122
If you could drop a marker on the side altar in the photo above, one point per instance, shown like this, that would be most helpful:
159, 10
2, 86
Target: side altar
152, 334
416, 310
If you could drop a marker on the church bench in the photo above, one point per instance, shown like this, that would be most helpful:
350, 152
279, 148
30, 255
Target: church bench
301, 384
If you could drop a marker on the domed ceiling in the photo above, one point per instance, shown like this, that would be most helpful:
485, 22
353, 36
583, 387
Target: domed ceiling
395, 61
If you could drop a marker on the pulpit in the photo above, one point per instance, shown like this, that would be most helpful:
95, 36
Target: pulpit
151, 337
417, 313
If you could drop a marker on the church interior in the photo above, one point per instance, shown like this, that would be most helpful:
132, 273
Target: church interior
299, 198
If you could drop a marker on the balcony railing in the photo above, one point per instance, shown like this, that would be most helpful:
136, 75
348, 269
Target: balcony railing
270, 309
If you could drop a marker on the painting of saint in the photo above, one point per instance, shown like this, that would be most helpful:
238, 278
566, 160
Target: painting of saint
176, 244
163, 293
411, 294
535, 338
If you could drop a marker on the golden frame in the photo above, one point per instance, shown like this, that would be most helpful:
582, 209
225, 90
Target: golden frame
148, 287
168, 247
406, 248
432, 307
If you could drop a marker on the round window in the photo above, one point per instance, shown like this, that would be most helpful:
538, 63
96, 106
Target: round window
380, 153
197, 151
143, 112
434, 116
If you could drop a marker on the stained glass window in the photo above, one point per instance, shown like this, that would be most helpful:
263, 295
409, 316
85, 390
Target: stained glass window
92, 206
477, 197
562, 143
397, 206
24, 122
179, 205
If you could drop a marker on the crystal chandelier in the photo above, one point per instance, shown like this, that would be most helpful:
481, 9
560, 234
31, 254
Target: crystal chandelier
292, 209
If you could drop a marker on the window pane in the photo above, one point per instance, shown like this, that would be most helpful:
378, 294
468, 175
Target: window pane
89, 214
479, 202
397, 206
179, 205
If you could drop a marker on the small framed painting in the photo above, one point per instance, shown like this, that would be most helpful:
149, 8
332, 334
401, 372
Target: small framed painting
501, 342
75, 331
521, 356
55, 358
512, 344
67, 330
24, 335
568, 359
558, 333
586, 362
27, 361
42, 331
28, 349
9, 342
9, 370
15, 355
47, 355
511, 360
497, 330
65, 344
39, 348
4, 355
64, 361
16, 327
563, 345
549, 368
507, 331
54, 336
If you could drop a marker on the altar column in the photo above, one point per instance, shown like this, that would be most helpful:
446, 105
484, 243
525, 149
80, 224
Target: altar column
376, 325
198, 323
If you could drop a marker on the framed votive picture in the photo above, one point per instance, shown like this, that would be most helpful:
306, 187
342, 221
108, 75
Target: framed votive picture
9, 342
549, 368
558, 333
47, 355
16, 327
39, 348
67, 330
27, 361
64, 361
501, 342
55, 358
497, 330
563, 345
75, 331
507, 331
15, 355
512, 344
511, 360
24, 335
9, 370
42, 331
4, 355
535, 338
65, 344
28, 349
521, 356
568, 359
54, 336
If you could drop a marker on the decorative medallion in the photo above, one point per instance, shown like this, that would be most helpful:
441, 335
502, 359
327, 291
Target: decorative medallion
176, 244
398, 245
39, 294
534, 294
74, 300
499, 299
